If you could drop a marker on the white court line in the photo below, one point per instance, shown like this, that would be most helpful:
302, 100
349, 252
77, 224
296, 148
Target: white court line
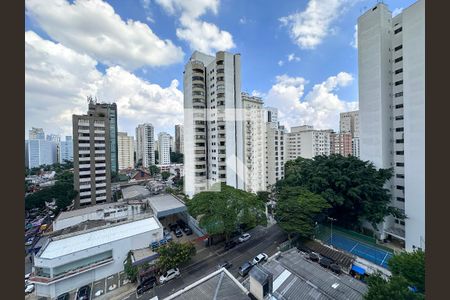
354, 247
384, 258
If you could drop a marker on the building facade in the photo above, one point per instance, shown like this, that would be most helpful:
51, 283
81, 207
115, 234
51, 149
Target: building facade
391, 62
341, 143
145, 144
349, 122
179, 139
125, 146
112, 113
36, 134
164, 148
66, 150
213, 122
40, 152
276, 150
92, 161
307, 142
254, 143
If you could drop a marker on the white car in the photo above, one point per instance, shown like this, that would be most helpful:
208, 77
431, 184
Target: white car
244, 237
169, 275
259, 258
29, 288
27, 276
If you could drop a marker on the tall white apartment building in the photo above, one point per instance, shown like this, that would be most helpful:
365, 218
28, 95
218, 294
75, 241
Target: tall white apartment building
145, 144
179, 139
254, 143
271, 114
276, 150
349, 122
391, 61
66, 150
213, 122
307, 142
125, 146
164, 145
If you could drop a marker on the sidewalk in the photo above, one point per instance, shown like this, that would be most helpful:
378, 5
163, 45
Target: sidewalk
119, 293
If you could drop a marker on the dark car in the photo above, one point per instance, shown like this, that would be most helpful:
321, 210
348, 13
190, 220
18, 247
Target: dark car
64, 296
146, 285
84, 293
181, 223
187, 230
245, 268
178, 233
173, 227
225, 265
230, 244
325, 262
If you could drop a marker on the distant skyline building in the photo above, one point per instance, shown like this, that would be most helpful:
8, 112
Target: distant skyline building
213, 122
254, 143
92, 155
271, 114
66, 150
349, 122
125, 145
164, 148
145, 144
307, 142
391, 79
276, 148
341, 143
179, 138
40, 152
36, 134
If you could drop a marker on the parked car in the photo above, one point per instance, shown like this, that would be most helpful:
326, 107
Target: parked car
84, 293
230, 244
64, 296
162, 242
244, 237
27, 276
245, 268
154, 245
187, 230
29, 242
225, 265
169, 275
29, 288
178, 233
168, 237
146, 285
173, 227
259, 258
181, 223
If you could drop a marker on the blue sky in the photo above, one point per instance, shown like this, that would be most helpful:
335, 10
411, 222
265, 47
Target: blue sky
133, 52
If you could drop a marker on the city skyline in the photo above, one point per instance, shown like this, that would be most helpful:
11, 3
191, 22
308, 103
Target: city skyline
287, 76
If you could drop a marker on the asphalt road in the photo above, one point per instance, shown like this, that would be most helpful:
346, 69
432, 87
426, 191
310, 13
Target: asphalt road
263, 240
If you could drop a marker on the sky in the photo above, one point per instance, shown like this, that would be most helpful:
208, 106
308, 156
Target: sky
299, 56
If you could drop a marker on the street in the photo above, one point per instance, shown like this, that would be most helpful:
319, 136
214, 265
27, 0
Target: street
263, 240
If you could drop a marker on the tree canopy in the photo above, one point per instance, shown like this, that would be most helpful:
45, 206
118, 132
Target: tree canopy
154, 170
354, 188
175, 254
176, 158
165, 175
298, 209
225, 211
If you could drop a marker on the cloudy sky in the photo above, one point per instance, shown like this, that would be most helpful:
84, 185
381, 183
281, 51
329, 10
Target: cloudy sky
300, 56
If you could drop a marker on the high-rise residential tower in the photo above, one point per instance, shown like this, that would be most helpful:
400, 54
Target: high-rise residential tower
254, 143
125, 145
349, 122
276, 150
307, 142
391, 62
66, 150
179, 139
145, 144
213, 122
92, 155
164, 148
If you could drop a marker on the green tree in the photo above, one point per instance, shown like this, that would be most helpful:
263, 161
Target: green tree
154, 170
176, 158
175, 254
130, 270
165, 175
411, 266
263, 195
298, 209
224, 211
395, 288
354, 188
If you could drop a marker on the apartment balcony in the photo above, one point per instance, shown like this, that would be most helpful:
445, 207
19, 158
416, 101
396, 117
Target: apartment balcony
83, 130
85, 180
99, 138
85, 193
396, 232
85, 172
99, 172
84, 138
100, 151
100, 158
101, 198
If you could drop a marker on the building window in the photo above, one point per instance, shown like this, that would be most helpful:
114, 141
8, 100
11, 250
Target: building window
399, 141
399, 106
398, 82
399, 175
398, 48
398, 71
399, 118
400, 187
399, 164
399, 152
398, 94
398, 30
400, 199
398, 59
400, 129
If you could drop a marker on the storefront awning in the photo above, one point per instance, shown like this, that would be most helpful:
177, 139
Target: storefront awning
358, 270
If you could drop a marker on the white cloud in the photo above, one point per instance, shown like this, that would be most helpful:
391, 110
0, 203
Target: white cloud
354, 42
280, 63
200, 35
243, 20
94, 28
309, 27
320, 107
397, 11
58, 80
292, 57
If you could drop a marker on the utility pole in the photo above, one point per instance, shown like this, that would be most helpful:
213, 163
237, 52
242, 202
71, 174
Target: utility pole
331, 234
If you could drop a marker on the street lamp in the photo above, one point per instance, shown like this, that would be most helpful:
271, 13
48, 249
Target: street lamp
331, 234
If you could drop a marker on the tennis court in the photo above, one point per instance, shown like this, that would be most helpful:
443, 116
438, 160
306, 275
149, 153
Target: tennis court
371, 253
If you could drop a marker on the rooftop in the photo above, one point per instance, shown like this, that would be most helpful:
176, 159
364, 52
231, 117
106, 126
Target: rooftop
166, 204
135, 192
67, 244
90, 209
219, 285
296, 277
